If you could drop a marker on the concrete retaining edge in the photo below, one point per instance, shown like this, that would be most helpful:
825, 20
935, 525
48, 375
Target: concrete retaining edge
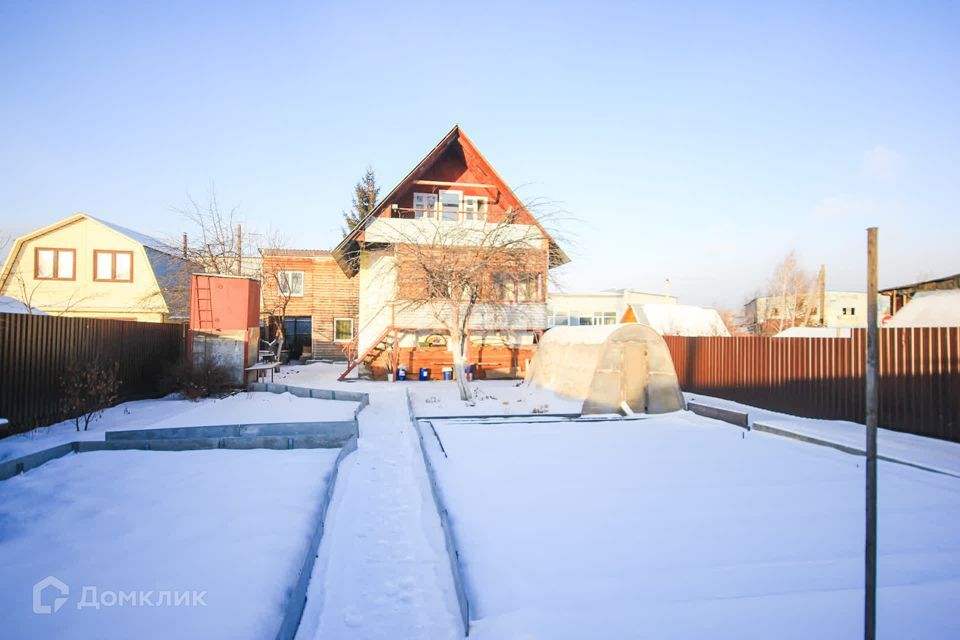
450, 541
856, 451
737, 418
309, 392
297, 599
337, 432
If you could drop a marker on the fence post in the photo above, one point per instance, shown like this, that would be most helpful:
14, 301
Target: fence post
872, 402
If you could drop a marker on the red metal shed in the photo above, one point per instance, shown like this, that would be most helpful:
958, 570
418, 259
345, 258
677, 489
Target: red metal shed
224, 322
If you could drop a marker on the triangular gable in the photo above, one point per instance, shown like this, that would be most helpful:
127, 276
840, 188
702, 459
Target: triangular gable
629, 315
441, 166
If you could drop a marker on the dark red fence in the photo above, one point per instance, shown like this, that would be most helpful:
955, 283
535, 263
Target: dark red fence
35, 351
824, 377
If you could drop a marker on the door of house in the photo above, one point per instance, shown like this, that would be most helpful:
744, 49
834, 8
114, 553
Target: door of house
634, 375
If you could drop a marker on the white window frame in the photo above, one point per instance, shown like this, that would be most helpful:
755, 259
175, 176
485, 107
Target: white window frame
444, 211
475, 207
335, 321
282, 279
428, 211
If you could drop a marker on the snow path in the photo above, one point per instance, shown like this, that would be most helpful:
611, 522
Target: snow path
382, 569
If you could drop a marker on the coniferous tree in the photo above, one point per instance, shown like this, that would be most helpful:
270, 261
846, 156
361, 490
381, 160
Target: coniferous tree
364, 200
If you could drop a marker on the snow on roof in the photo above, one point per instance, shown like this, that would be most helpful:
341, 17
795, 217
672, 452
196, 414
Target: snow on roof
815, 332
12, 305
136, 236
680, 319
929, 309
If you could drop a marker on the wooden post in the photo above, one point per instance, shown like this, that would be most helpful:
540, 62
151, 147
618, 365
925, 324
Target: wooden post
872, 405
239, 251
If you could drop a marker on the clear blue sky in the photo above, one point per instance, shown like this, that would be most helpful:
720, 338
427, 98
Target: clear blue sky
692, 141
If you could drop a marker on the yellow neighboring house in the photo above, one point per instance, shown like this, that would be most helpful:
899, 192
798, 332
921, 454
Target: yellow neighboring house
83, 266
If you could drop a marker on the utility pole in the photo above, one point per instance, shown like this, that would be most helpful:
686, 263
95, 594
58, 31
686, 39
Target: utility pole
239, 251
822, 282
872, 403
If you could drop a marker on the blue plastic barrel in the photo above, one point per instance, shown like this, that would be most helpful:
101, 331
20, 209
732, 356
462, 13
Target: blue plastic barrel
447, 373
424, 373
401, 373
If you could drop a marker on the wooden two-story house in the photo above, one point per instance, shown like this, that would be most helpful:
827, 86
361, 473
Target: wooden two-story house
84, 266
452, 206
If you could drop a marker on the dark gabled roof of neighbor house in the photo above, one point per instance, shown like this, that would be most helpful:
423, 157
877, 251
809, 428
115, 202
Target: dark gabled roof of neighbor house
946, 282
344, 253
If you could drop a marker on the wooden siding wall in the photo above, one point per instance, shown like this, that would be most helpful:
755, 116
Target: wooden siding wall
824, 377
490, 361
327, 294
35, 351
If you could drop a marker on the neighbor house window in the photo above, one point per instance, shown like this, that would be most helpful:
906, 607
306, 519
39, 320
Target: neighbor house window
474, 207
450, 203
290, 283
55, 264
604, 317
113, 266
343, 329
424, 205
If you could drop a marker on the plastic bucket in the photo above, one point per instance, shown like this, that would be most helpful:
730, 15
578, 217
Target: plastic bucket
424, 373
448, 373
401, 373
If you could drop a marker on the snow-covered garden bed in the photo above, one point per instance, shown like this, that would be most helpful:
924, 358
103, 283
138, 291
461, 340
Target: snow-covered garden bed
678, 526
228, 527
240, 408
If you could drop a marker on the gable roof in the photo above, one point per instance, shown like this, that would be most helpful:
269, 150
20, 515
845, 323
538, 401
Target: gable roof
347, 248
166, 262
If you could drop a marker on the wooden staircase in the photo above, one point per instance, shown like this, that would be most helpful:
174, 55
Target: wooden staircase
381, 344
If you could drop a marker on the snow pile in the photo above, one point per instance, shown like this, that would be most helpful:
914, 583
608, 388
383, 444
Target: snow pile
682, 527
12, 305
231, 525
680, 319
929, 309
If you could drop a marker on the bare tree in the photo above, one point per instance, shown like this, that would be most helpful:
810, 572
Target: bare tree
280, 284
217, 244
791, 296
467, 270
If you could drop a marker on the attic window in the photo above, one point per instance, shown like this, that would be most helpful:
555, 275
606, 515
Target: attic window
113, 266
450, 202
54, 264
424, 205
475, 207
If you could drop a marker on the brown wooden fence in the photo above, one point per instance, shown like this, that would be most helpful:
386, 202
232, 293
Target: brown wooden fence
824, 377
36, 350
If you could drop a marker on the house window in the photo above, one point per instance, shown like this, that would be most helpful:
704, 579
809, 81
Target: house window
516, 287
475, 207
113, 266
604, 317
450, 204
853, 311
343, 329
55, 264
424, 205
290, 283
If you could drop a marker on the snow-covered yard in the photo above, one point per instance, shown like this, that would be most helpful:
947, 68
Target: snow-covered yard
683, 527
229, 526
245, 408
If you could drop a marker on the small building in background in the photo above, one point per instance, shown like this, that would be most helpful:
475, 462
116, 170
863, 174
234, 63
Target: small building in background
602, 307
306, 291
224, 323
766, 314
677, 319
